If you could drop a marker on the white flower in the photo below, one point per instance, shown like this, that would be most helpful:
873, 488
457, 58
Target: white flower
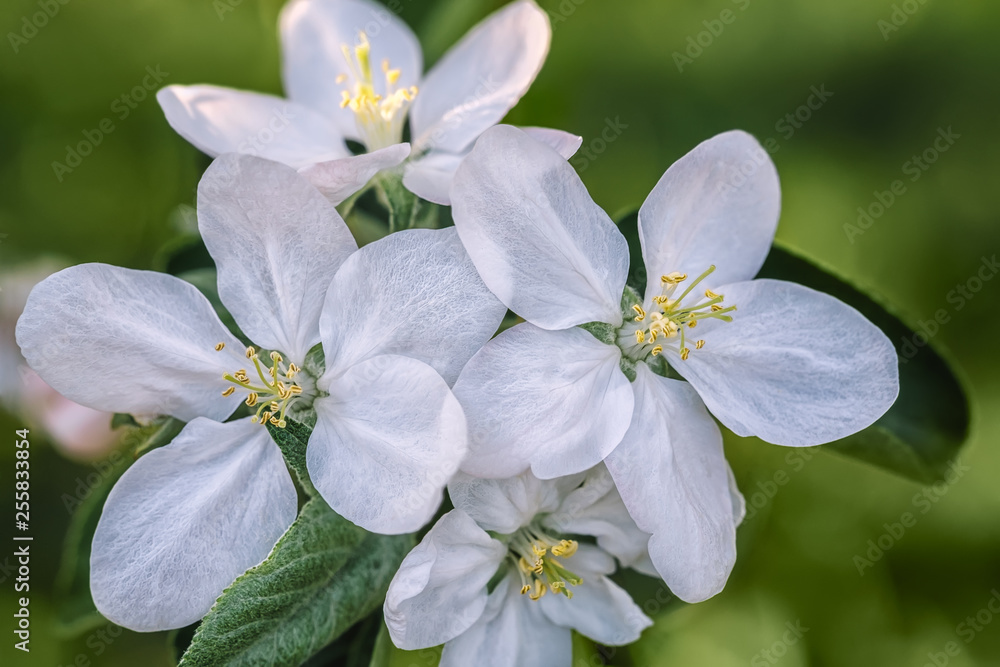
353, 70
545, 584
78, 431
397, 320
792, 366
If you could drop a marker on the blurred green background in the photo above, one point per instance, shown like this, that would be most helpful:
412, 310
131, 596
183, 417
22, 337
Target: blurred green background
612, 64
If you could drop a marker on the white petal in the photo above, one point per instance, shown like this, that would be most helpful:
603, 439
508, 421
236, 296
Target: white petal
719, 204
672, 474
599, 608
414, 293
388, 438
795, 367
596, 509
120, 340
564, 143
440, 588
554, 400
539, 241
739, 502
430, 177
339, 179
313, 34
505, 505
277, 243
481, 78
185, 521
512, 632
220, 120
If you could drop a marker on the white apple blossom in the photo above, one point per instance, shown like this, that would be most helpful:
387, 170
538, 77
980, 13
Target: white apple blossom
792, 366
353, 70
498, 581
397, 319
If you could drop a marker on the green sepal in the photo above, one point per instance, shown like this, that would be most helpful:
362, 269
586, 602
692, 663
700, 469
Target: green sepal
292, 441
322, 576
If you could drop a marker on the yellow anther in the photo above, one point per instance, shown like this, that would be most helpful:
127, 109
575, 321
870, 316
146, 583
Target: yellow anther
692, 324
276, 358
345, 99
525, 589
684, 353
341, 78
565, 548
640, 336
251, 352
539, 591
656, 350
712, 295
229, 391
673, 278
539, 549
700, 344
219, 346
640, 314
252, 399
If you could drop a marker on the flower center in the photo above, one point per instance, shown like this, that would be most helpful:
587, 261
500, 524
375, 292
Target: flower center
538, 559
277, 391
379, 118
662, 325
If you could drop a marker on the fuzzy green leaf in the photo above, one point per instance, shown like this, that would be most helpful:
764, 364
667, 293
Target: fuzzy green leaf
324, 575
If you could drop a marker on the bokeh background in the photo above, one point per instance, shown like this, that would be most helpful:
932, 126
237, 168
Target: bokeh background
612, 65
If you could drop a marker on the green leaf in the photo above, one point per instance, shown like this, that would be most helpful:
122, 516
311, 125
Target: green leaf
292, 441
924, 430
323, 576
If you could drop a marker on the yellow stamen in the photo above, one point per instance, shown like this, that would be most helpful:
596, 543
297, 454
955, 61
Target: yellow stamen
640, 314
219, 346
229, 391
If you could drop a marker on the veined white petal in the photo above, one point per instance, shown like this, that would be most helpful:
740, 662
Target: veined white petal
718, 205
185, 521
313, 36
512, 632
277, 243
414, 293
564, 143
120, 340
430, 176
672, 474
599, 609
555, 400
505, 505
481, 78
339, 179
795, 367
387, 440
219, 120
439, 591
539, 241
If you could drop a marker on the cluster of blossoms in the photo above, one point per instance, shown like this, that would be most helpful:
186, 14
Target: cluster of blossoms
573, 444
